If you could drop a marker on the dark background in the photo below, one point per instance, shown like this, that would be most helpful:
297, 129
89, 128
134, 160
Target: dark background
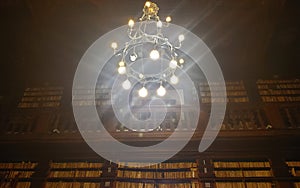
42, 41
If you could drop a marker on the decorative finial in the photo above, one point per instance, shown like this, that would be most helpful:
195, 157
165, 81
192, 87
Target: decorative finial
150, 11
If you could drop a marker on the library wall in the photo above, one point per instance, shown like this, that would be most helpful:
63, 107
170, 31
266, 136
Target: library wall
42, 110
42, 114
235, 91
245, 119
213, 173
279, 90
41, 97
16, 174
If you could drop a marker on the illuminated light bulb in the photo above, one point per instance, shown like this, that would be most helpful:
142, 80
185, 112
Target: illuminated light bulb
126, 84
122, 70
148, 3
168, 19
181, 61
159, 24
174, 79
121, 63
173, 64
133, 57
141, 76
161, 91
151, 10
143, 92
114, 45
154, 54
181, 38
131, 23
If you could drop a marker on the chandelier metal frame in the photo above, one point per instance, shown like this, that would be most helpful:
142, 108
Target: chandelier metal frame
138, 36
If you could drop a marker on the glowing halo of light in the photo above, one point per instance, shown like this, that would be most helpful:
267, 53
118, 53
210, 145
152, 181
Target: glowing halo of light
161, 91
91, 65
126, 84
154, 55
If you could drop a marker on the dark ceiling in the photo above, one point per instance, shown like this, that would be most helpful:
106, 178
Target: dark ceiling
43, 41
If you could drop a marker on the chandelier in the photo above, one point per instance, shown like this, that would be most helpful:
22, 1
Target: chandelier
152, 58
148, 49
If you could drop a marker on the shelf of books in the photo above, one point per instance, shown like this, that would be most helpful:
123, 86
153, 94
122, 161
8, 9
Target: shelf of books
41, 97
163, 175
203, 173
294, 168
290, 116
16, 174
74, 174
20, 123
157, 185
279, 90
88, 97
62, 122
235, 90
243, 173
245, 119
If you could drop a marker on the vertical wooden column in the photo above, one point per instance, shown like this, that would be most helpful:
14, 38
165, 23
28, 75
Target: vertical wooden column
280, 171
109, 174
39, 178
274, 116
206, 174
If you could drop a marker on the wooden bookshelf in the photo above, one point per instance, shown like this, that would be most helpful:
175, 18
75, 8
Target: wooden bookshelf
279, 90
243, 184
74, 174
243, 173
17, 174
235, 90
84, 97
297, 185
245, 119
206, 173
294, 168
20, 123
164, 175
152, 185
290, 116
41, 97
71, 185
62, 122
